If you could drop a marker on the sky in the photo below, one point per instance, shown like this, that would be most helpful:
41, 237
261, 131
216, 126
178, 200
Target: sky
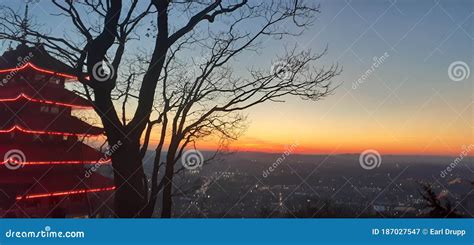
406, 103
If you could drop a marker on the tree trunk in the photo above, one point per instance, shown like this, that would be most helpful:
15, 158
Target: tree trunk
130, 182
167, 189
155, 189
167, 199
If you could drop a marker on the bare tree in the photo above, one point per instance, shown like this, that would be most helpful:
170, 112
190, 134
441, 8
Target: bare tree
159, 87
438, 209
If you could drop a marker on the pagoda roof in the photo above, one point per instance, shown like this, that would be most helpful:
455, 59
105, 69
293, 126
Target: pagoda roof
67, 153
41, 124
35, 57
44, 94
55, 184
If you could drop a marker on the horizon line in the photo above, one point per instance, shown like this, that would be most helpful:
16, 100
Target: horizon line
335, 154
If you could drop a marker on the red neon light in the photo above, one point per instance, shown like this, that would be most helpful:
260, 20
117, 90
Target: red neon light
64, 193
108, 161
22, 95
38, 69
41, 132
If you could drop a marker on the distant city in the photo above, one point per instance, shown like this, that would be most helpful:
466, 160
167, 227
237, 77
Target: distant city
239, 185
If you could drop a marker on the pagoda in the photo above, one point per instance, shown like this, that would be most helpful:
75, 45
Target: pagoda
43, 173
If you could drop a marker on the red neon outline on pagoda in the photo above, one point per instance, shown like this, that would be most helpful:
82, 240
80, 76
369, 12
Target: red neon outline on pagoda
22, 95
38, 69
43, 132
65, 193
62, 162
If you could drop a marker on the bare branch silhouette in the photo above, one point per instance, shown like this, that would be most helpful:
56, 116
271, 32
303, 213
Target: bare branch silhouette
186, 87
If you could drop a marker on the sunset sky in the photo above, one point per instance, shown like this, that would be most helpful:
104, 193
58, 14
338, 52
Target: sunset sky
407, 105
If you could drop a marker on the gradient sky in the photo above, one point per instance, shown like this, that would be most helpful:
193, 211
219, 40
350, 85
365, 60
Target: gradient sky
408, 105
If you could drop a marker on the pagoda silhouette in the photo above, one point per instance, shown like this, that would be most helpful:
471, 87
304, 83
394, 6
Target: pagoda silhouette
43, 173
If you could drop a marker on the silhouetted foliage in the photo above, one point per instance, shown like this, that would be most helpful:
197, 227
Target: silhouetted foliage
438, 208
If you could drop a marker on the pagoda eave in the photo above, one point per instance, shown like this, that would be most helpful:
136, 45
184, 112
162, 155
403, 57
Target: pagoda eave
20, 129
76, 153
43, 95
42, 101
64, 193
36, 68
47, 169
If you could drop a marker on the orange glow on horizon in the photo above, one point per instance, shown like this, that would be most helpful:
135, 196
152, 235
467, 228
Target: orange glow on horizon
409, 148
